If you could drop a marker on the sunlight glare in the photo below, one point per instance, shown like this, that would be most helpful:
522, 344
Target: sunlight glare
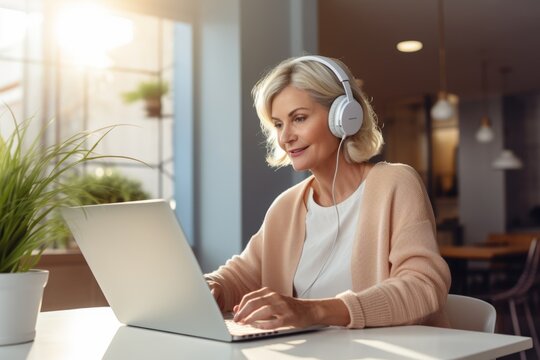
87, 32
100, 172
403, 352
13, 25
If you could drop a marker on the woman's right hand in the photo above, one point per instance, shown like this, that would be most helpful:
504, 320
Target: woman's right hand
217, 291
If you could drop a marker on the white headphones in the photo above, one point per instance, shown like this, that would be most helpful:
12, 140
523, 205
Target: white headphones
346, 115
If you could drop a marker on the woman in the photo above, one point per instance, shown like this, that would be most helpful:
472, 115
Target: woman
354, 244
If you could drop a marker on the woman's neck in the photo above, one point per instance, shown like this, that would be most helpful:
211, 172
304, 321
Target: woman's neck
348, 178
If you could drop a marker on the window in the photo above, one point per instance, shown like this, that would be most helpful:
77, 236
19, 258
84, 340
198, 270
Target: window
76, 63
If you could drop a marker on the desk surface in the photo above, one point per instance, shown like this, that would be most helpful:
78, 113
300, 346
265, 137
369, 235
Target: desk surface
477, 252
95, 333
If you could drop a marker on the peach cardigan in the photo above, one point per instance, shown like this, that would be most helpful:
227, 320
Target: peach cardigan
398, 275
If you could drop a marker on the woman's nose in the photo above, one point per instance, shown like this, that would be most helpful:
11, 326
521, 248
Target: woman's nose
287, 134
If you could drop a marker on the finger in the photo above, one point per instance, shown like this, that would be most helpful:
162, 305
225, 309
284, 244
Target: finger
263, 317
269, 300
250, 296
252, 305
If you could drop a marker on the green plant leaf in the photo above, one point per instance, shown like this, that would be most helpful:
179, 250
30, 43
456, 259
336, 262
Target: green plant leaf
33, 188
146, 90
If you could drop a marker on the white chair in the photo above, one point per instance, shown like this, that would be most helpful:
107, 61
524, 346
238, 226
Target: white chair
468, 313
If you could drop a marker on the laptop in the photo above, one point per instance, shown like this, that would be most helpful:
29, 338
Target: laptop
148, 273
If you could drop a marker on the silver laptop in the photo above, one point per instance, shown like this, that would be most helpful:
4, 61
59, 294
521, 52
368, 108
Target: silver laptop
146, 269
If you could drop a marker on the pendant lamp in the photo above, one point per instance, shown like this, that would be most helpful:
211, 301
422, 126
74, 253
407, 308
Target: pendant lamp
506, 160
485, 133
442, 110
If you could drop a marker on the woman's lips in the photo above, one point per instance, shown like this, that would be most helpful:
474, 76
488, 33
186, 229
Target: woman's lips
297, 152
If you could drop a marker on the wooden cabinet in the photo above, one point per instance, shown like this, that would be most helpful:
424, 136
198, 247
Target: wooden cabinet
71, 283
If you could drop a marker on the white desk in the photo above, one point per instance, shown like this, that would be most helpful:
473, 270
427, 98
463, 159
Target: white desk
95, 333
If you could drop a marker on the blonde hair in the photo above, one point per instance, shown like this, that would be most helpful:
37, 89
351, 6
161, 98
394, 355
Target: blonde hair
324, 87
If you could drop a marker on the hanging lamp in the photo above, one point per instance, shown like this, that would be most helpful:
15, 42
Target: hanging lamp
442, 110
485, 133
506, 160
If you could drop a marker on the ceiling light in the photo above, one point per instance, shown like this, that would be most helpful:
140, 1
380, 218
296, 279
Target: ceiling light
442, 110
409, 46
485, 133
507, 161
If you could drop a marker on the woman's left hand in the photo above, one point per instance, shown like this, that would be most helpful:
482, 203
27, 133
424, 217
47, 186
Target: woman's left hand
267, 309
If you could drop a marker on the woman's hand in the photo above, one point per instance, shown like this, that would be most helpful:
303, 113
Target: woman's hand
267, 309
217, 291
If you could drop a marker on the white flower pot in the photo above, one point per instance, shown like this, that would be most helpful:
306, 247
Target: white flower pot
20, 302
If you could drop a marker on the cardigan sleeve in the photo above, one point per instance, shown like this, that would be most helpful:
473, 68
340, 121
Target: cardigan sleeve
241, 274
418, 279
271, 255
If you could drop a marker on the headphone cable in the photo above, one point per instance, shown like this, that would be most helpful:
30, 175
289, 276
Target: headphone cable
338, 221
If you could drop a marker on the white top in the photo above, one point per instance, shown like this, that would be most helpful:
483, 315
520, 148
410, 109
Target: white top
325, 259
95, 334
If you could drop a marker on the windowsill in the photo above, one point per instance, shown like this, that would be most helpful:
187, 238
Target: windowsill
71, 284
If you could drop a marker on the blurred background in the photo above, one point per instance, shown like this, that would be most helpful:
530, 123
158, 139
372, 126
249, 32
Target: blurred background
178, 74
460, 102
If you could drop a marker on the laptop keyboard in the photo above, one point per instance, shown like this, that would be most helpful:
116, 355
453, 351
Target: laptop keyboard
246, 330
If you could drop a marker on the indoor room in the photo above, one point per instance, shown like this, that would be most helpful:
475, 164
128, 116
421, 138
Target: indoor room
109, 102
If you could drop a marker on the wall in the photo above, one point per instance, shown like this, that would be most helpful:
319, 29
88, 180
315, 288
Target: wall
522, 126
235, 42
271, 32
481, 188
218, 117
183, 127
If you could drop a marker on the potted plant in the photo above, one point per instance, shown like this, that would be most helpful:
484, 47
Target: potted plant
108, 186
150, 92
31, 190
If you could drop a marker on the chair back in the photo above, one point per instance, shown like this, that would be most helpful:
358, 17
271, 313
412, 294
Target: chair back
531, 270
528, 280
468, 313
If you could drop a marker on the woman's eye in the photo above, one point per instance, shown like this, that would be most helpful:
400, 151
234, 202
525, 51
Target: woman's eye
277, 125
300, 118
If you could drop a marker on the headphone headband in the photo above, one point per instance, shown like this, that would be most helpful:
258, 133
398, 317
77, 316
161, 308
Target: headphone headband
336, 69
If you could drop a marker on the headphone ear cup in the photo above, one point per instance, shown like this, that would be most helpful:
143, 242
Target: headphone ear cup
335, 116
352, 117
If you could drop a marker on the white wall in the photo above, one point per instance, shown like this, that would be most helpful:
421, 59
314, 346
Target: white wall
217, 131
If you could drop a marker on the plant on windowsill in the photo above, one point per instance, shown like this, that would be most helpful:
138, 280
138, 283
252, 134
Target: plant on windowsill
103, 187
31, 190
151, 93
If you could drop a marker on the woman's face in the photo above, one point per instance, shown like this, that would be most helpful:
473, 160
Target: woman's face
302, 129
